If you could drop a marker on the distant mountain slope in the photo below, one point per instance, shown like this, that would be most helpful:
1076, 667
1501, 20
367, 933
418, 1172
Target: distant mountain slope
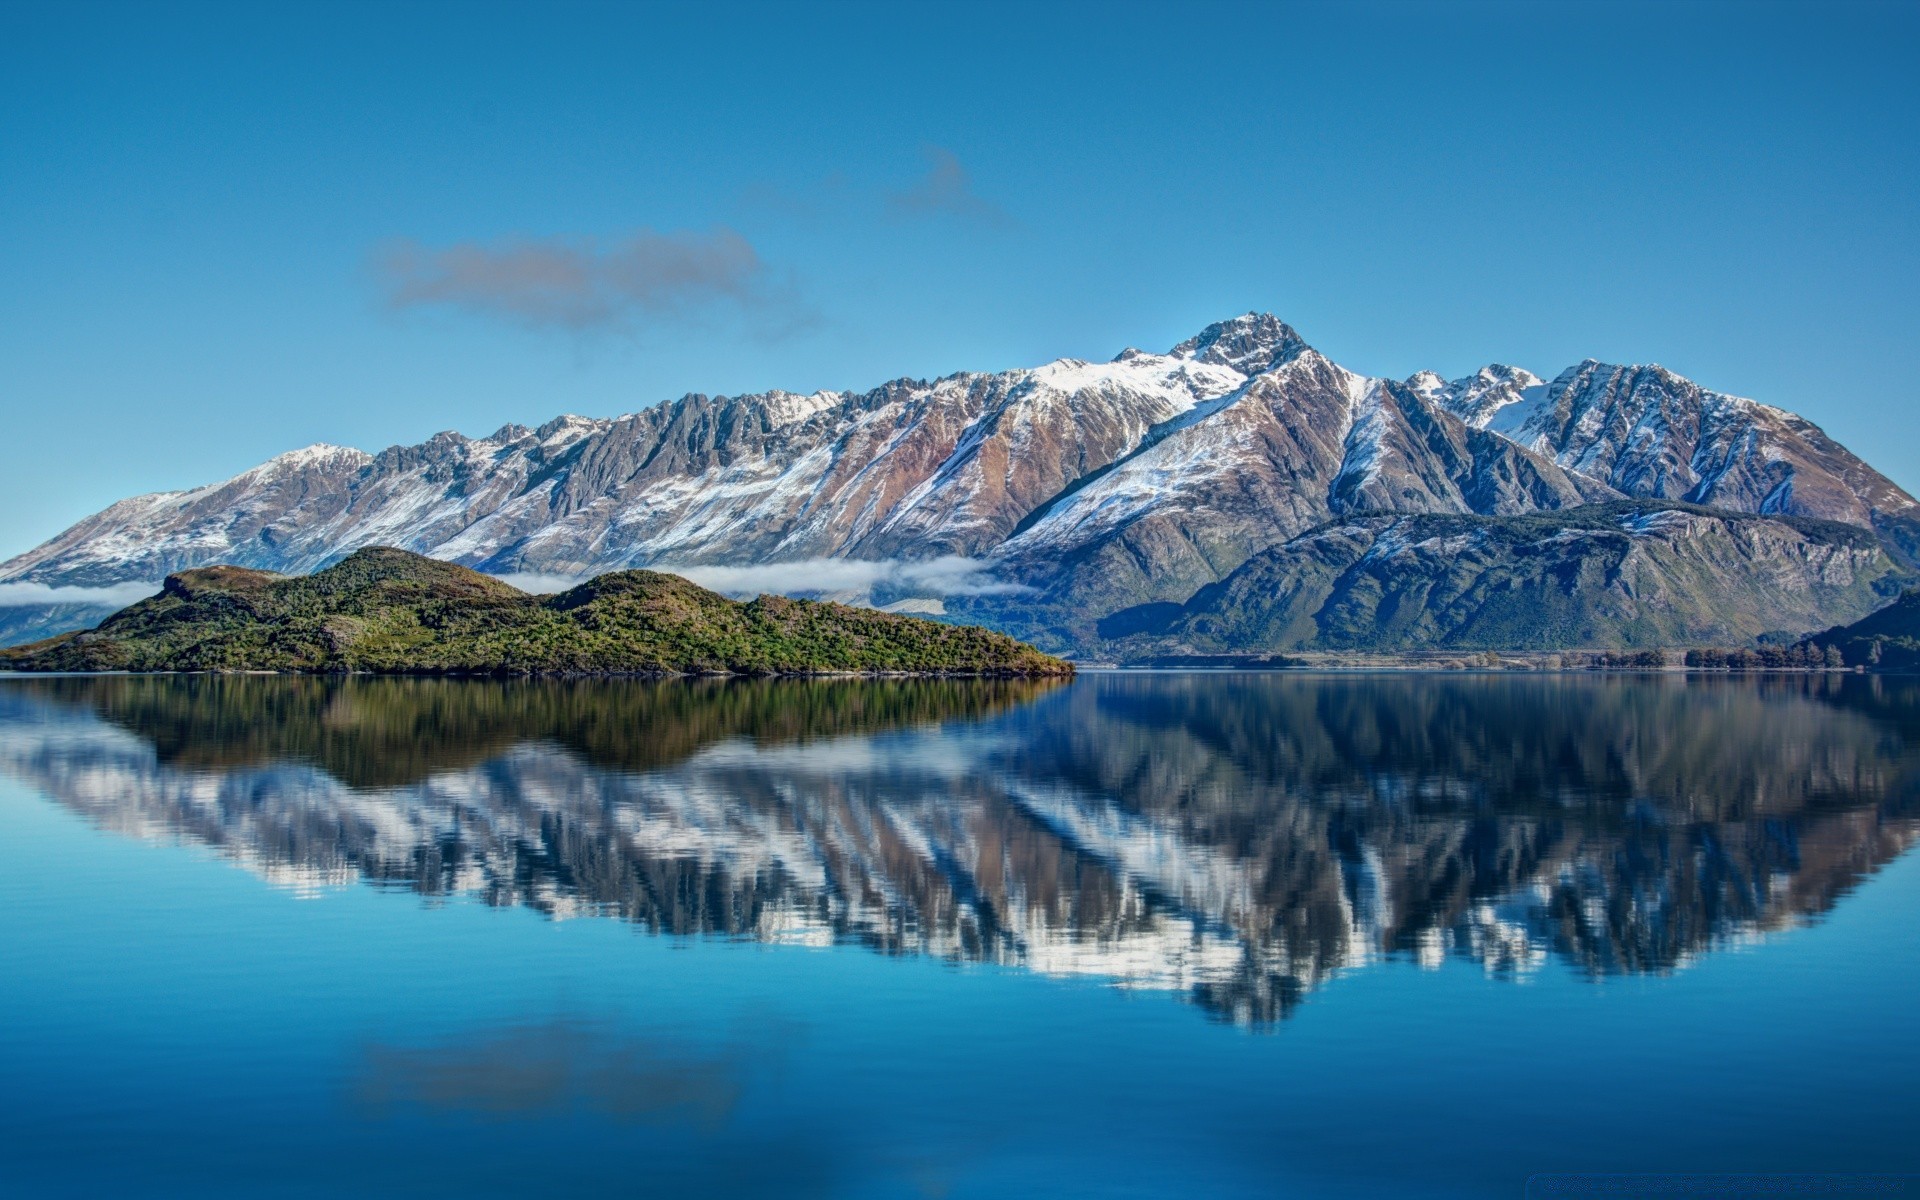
23, 623
1072, 490
389, 611
1888, 639
1630, 573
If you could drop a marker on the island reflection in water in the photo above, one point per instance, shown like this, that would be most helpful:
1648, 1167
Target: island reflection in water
1232, 838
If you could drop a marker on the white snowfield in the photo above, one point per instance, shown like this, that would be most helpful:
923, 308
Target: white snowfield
1019, 468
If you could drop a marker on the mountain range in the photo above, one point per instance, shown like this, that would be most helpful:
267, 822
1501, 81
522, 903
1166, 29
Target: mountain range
1077, 501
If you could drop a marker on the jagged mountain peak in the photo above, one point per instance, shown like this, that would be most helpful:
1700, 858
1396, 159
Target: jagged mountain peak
1476, 398
1431, 385
1250, 343
1503, 373
1590, 368
569, 428
785, 408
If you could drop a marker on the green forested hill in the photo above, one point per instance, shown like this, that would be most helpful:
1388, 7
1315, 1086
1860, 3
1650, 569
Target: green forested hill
390, 611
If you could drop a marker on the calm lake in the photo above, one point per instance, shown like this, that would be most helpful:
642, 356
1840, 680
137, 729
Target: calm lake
1130, 935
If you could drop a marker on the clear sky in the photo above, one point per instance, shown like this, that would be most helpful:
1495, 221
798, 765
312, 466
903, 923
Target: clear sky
229, 231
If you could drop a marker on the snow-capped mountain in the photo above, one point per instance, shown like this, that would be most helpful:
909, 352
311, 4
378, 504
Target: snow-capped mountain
1649, 432
1086, 486
1299, 442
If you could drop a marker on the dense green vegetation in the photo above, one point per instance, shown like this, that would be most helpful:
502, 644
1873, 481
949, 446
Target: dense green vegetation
388, 611
387, 731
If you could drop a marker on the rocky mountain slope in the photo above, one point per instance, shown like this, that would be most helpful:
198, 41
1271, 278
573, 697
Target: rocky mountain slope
1628, 573
1649, 432
389, 611
1056, 496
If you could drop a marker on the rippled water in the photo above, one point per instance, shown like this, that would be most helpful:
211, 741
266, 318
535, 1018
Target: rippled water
1138, 934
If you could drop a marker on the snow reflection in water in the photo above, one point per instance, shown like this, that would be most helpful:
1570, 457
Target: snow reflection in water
1231, 838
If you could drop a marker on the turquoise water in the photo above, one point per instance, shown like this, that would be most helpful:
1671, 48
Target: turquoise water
1137, 935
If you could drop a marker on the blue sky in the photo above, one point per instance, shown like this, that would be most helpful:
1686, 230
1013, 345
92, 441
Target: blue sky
229, 231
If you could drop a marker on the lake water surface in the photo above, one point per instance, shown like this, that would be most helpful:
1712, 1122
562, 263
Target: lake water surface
1130, 935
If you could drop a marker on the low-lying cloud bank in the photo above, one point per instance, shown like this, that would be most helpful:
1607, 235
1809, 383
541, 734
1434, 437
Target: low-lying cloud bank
948, 575
119, 595
538, 584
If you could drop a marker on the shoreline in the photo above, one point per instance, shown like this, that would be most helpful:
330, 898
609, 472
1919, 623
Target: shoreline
510, 674
1249, 668
1570, 662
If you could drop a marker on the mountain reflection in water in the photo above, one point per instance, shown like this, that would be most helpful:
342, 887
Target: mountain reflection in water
1234, 838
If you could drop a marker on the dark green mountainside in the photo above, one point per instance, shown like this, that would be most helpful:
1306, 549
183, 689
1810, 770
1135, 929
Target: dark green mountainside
1888, 639
1622, 575
390, 611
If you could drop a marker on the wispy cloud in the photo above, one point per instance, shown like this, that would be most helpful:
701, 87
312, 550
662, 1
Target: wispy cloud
21, 595
945, 190
949, 575
581, 284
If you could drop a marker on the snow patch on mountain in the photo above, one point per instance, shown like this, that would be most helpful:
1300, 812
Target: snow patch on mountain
1182, 457
320, 455
1365, 442
1176, 378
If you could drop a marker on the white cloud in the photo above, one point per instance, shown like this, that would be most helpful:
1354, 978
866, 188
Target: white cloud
538, 584
948, 575
22, 595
